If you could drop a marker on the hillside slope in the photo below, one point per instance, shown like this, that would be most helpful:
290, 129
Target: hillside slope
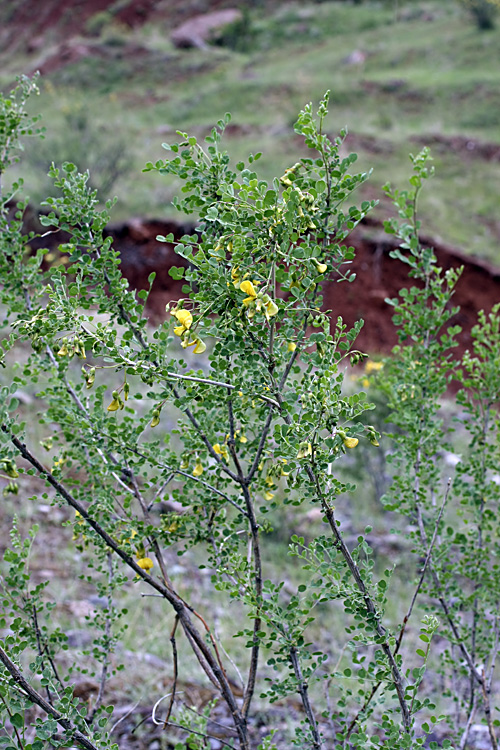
114, 87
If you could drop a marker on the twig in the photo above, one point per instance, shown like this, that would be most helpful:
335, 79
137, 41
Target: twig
179, 605
34, 696
424, 568
304, 695
41, 649
472, 713
122, 718
174, 684
7, 708
107, 632
257, 567
181, 473
200, 734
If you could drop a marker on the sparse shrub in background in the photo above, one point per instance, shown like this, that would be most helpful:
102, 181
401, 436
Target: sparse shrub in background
262, 420
484, 12
96, 24
240, 35
104, 152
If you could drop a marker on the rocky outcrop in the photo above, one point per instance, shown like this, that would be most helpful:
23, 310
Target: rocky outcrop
197, 31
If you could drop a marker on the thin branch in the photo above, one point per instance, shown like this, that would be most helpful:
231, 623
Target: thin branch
260, 447
7, 708
487, 711
40, 649
181, 473
424, 568
354, 570
107, 633
189, 414
179, 605
257, 570
174, 684
154, 543
35, 697
470, 719
304, 695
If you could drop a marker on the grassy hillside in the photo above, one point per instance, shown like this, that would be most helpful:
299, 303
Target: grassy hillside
421, 73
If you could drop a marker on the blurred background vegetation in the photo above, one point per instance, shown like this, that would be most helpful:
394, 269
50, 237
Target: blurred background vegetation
403, 73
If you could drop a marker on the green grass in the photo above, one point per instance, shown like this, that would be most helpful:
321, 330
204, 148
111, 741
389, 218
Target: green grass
427, 71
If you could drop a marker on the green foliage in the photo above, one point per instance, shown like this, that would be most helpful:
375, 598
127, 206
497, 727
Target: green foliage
483, 12
262, 416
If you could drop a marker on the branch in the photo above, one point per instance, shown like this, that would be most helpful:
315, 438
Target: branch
34, 696
179, 605
257, 567
408, 614
107, 631
303, 691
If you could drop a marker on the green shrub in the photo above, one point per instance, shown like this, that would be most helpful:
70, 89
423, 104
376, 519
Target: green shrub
248, 416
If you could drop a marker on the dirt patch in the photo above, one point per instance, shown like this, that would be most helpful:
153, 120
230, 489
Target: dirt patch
378, 277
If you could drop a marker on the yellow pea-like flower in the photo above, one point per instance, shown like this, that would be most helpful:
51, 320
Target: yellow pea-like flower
200, 346
322, 267
305, 449
268, 495
291, 346
185, 319
270, 309
116, 403
221, 450
350, 442
198, 469
145, 563
248, 288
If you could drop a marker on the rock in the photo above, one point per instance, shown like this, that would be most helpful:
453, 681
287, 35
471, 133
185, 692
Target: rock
479, 738
197, 31
357, 57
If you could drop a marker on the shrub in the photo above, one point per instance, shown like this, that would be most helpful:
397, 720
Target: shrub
483, 12
262, 422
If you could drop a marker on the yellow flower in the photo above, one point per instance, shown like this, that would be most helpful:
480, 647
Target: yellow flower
156, 418
116, 403
269, 481
248, 288
365, 383
268, 495
243, 438
185, 319
200, 346
322, 267
145, 563
305, 449
374, 441
235, 276
63, 351
240, 393
350, 442
198, 469
371, 366
221, 451
285, 180
291, 346
271, 308
185, 464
